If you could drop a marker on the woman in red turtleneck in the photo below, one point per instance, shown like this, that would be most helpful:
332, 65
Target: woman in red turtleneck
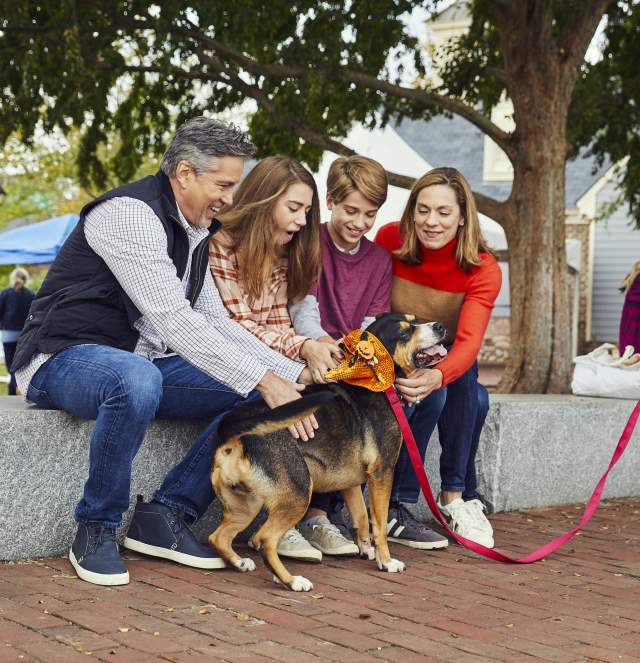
444, 271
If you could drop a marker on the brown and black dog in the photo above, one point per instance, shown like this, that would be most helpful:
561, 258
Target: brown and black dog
257, 464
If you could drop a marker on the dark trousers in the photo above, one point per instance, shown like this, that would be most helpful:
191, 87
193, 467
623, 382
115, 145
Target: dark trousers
9, 351
459, 410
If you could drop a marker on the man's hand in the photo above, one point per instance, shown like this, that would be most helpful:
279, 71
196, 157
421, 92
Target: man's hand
321, 356
277, 391
419, 384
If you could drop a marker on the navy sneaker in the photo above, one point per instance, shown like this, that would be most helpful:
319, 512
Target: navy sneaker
337, 518
95, 557
161, 531
402, 527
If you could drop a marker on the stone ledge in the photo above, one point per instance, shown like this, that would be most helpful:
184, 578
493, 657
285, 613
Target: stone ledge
535, 451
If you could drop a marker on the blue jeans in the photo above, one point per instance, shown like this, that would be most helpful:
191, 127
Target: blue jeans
459, 410
9, 350
123, 392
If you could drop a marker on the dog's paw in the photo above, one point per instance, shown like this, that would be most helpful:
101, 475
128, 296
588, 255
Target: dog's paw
245, 564
367, 551
392, 566
301, 584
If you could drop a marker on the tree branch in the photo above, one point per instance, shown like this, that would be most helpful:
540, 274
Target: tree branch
574, 40
421, 97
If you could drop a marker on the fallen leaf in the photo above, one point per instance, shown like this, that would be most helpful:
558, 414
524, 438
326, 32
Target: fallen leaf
168, 609
364, 615
203, 611
578, 575
509, 625
618, 575
156, 633
243, 616
387, 594
317, 596
123, 629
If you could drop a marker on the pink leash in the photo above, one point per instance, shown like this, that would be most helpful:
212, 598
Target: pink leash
548, 548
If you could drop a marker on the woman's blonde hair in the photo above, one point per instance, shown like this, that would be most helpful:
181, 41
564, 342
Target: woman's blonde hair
471, 243
19, 278
357, 173
630, 277
250, 225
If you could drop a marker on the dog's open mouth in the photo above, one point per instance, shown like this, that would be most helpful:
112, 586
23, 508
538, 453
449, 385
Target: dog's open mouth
427, 357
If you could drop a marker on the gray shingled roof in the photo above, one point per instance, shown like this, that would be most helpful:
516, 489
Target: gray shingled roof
455, 142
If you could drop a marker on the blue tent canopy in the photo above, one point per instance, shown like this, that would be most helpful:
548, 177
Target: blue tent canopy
36, 243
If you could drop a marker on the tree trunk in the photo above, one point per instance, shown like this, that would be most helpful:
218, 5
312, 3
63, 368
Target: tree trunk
540, 358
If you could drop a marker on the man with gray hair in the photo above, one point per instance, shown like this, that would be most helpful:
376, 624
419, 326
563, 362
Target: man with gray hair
127, 326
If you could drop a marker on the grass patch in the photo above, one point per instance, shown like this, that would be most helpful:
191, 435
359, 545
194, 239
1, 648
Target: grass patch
4, 386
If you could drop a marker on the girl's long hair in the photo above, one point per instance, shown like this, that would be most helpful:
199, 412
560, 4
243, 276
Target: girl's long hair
250, 225
630, 277
471, 243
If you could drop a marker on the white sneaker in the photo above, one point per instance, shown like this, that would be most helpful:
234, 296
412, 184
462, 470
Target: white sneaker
468, 520
294, 545
326, 537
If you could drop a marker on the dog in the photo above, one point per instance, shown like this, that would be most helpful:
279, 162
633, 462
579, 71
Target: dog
257, 463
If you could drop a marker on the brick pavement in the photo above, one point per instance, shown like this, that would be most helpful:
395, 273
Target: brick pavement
581, 604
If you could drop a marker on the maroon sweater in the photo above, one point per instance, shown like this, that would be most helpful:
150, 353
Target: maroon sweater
351, 287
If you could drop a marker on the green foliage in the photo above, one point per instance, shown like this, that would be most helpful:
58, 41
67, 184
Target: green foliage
125, 72
40, 182
606, 106
67, 63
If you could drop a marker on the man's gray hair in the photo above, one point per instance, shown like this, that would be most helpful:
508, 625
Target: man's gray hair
200, 140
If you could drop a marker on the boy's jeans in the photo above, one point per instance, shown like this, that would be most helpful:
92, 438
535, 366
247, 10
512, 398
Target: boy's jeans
459, 410
123, 392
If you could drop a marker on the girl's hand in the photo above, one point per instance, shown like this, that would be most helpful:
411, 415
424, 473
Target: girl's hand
321, 357
419, 384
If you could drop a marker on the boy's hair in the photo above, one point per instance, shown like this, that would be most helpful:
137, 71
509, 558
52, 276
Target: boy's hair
357, 173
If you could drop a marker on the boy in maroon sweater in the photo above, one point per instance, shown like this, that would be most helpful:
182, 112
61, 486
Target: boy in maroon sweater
355, 285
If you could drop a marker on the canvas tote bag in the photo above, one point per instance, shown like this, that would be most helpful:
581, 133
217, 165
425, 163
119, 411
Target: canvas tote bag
604, 372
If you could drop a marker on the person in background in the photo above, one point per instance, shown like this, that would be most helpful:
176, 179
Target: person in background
630, 319
14, 308
443, 270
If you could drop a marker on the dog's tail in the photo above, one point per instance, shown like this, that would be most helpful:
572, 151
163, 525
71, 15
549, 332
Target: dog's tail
235, 425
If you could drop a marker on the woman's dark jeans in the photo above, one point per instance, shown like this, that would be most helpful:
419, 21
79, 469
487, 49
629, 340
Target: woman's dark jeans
459, 410
9, 351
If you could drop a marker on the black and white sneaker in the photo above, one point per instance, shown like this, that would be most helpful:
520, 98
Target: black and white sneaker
402, 527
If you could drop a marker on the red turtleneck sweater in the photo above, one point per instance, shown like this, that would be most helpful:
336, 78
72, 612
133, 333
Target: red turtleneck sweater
438, 290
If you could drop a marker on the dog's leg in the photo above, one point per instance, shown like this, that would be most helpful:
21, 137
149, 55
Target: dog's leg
239, 507
282, 516
379, 494
354, 500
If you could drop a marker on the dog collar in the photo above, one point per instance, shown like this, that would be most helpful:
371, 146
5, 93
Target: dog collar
367, 363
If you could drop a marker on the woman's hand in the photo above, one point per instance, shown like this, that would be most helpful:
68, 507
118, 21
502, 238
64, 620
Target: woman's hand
419, 384
321, 357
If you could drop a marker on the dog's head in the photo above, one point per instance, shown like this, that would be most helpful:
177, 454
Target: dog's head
412, 345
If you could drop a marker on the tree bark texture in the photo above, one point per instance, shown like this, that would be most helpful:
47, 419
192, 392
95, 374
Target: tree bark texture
540, 85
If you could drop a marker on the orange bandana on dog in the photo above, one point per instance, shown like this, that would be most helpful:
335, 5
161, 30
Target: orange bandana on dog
367, 363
